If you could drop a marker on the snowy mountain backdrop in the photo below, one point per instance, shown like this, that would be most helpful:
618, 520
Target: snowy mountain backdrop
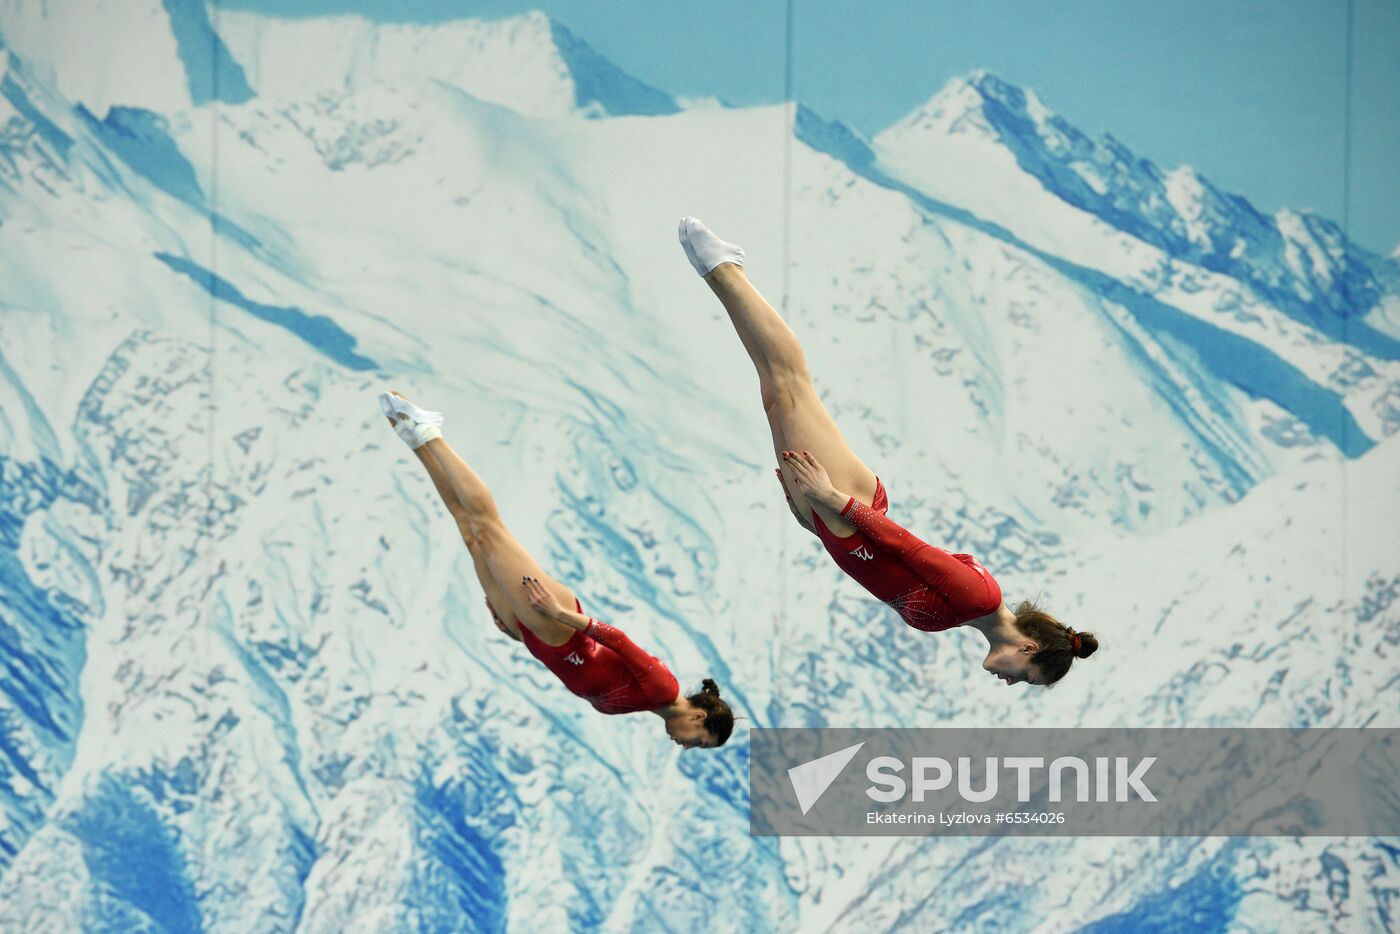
246, 682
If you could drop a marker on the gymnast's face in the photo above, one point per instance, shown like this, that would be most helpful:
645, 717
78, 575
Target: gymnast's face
687, 730
1011, 663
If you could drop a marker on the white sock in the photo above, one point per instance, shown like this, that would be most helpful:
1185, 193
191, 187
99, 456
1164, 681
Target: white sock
415, 435
414, 425
704, 250
392, 405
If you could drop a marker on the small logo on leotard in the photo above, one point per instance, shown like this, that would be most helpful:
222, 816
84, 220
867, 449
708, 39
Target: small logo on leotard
574, 658
863, 553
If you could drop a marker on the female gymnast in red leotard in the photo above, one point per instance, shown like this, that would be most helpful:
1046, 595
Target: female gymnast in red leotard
593, 660
833, 495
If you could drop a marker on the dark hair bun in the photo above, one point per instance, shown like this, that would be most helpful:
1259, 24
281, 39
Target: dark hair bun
1088, 645
719, 719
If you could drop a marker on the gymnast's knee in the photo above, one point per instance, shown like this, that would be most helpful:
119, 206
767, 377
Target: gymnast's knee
486, 534
480, 535
769, 393
782, 390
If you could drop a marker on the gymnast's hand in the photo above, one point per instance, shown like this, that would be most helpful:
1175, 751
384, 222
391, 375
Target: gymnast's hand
813, 481
792, 507
541, 600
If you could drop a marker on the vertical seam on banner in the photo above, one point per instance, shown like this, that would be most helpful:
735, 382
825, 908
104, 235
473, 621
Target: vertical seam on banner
209, 560
1347, 297
789, 129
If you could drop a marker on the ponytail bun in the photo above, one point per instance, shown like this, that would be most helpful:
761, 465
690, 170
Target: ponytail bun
719, 719
1059, 645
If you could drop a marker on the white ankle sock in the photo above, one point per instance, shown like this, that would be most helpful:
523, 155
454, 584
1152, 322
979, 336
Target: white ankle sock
391, 405
415, 435
704, 250
414, 425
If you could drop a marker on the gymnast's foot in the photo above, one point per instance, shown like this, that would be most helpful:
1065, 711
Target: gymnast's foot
414, 425
704, 250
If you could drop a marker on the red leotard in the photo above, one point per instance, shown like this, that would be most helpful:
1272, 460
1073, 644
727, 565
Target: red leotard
607, 669
928, 587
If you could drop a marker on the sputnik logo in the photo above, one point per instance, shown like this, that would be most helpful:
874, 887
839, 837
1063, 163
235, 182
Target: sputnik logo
810, 780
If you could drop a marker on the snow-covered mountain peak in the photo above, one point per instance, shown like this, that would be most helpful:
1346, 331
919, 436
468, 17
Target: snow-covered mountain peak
980, 139
956, 105
979, 101
1008, 116
1016, 121
529, 63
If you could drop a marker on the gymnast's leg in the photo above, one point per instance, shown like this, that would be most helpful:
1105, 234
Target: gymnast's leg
797, 418
501, 562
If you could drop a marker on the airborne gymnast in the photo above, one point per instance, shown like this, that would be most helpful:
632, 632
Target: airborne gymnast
837, 498
593, 660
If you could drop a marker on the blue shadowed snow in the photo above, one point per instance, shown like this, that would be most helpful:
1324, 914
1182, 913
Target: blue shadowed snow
597, 80
302, 855
42, 653
1245, 364
29, 679
141, 139
1203, 904
836, 140
317, 330
271, 700
1386, 916
133, 858
459, 824
726, 777
212, 73
46, 129
227, 228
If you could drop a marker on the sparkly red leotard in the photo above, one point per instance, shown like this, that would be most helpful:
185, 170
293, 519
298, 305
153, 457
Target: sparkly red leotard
607, 669
929, 588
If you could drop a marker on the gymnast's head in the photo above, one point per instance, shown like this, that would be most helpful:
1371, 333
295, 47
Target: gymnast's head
1039, 650
704, 720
